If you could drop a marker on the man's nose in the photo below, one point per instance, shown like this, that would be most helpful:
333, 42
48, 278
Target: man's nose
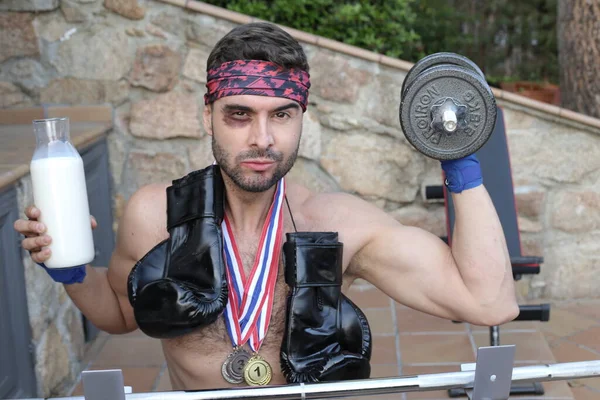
262, 135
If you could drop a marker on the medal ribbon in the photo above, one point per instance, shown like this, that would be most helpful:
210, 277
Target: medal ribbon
248, 310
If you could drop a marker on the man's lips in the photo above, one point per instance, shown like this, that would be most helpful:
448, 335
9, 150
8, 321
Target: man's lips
258, 165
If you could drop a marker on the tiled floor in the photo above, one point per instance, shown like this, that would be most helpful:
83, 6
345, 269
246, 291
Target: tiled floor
407, 342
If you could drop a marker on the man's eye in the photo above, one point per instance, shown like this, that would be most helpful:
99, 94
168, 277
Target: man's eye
281, 115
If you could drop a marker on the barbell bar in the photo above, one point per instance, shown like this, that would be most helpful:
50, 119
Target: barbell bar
376, 386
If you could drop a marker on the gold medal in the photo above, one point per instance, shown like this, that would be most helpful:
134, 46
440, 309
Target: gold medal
257, 371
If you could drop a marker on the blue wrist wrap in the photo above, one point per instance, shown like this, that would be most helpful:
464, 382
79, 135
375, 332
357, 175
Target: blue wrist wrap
67, 276
462, 174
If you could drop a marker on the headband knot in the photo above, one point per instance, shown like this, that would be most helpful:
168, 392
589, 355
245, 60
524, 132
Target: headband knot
257, 77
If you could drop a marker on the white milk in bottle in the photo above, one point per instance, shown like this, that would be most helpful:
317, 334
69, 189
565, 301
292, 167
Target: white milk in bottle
60, 193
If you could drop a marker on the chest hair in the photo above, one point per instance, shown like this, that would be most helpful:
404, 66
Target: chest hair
217, 333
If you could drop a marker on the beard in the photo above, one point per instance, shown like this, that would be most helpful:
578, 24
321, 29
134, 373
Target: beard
255, 183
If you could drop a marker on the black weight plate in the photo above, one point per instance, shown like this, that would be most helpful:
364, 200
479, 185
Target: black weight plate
436, 59
466, 88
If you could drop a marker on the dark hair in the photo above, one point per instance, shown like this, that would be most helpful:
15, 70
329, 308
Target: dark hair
258, 41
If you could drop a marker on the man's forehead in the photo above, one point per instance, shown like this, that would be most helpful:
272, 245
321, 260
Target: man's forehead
255, 102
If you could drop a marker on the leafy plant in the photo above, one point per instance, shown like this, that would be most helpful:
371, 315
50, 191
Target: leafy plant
381, 26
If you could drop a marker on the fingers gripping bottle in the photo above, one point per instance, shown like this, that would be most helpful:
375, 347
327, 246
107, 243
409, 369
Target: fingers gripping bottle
60, 193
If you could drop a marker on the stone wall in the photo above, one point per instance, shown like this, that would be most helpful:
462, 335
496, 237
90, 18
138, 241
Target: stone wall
556, 170
148, 60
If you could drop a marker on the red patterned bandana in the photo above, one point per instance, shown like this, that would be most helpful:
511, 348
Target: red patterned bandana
255, 77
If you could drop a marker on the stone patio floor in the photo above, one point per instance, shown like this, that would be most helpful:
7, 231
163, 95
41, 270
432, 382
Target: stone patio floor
405, 342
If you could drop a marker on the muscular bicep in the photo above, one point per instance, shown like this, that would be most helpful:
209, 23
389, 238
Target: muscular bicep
141, 227
416, 269
409, 264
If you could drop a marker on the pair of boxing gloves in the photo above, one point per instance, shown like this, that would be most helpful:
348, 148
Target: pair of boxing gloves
180, 286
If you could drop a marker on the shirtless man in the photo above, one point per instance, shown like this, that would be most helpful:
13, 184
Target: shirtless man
255, 139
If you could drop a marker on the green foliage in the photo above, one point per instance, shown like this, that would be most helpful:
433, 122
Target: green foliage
508, 39
383, 26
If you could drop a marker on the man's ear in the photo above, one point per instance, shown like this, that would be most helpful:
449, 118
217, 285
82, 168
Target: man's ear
207, 119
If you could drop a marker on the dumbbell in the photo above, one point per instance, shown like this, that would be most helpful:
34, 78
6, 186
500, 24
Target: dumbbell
447, 109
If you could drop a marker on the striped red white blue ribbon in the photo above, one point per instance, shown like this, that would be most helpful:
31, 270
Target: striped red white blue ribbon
248, 310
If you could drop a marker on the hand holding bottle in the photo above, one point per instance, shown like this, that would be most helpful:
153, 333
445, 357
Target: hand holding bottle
37, 239
36, 242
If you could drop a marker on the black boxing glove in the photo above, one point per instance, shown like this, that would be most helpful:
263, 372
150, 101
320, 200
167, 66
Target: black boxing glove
354, 361
181, 284
327, 338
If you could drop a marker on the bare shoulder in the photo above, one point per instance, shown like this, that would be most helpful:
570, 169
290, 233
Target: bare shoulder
344, 210
143, 223
355, 219
141, 227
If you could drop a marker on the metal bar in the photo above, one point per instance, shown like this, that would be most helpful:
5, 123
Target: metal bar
534, 312
441, 381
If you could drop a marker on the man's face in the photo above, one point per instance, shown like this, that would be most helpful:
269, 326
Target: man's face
255, 139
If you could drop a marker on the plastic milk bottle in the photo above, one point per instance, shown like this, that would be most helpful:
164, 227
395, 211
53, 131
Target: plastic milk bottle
60, 193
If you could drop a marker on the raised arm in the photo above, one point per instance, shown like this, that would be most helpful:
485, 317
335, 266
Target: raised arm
471, 282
